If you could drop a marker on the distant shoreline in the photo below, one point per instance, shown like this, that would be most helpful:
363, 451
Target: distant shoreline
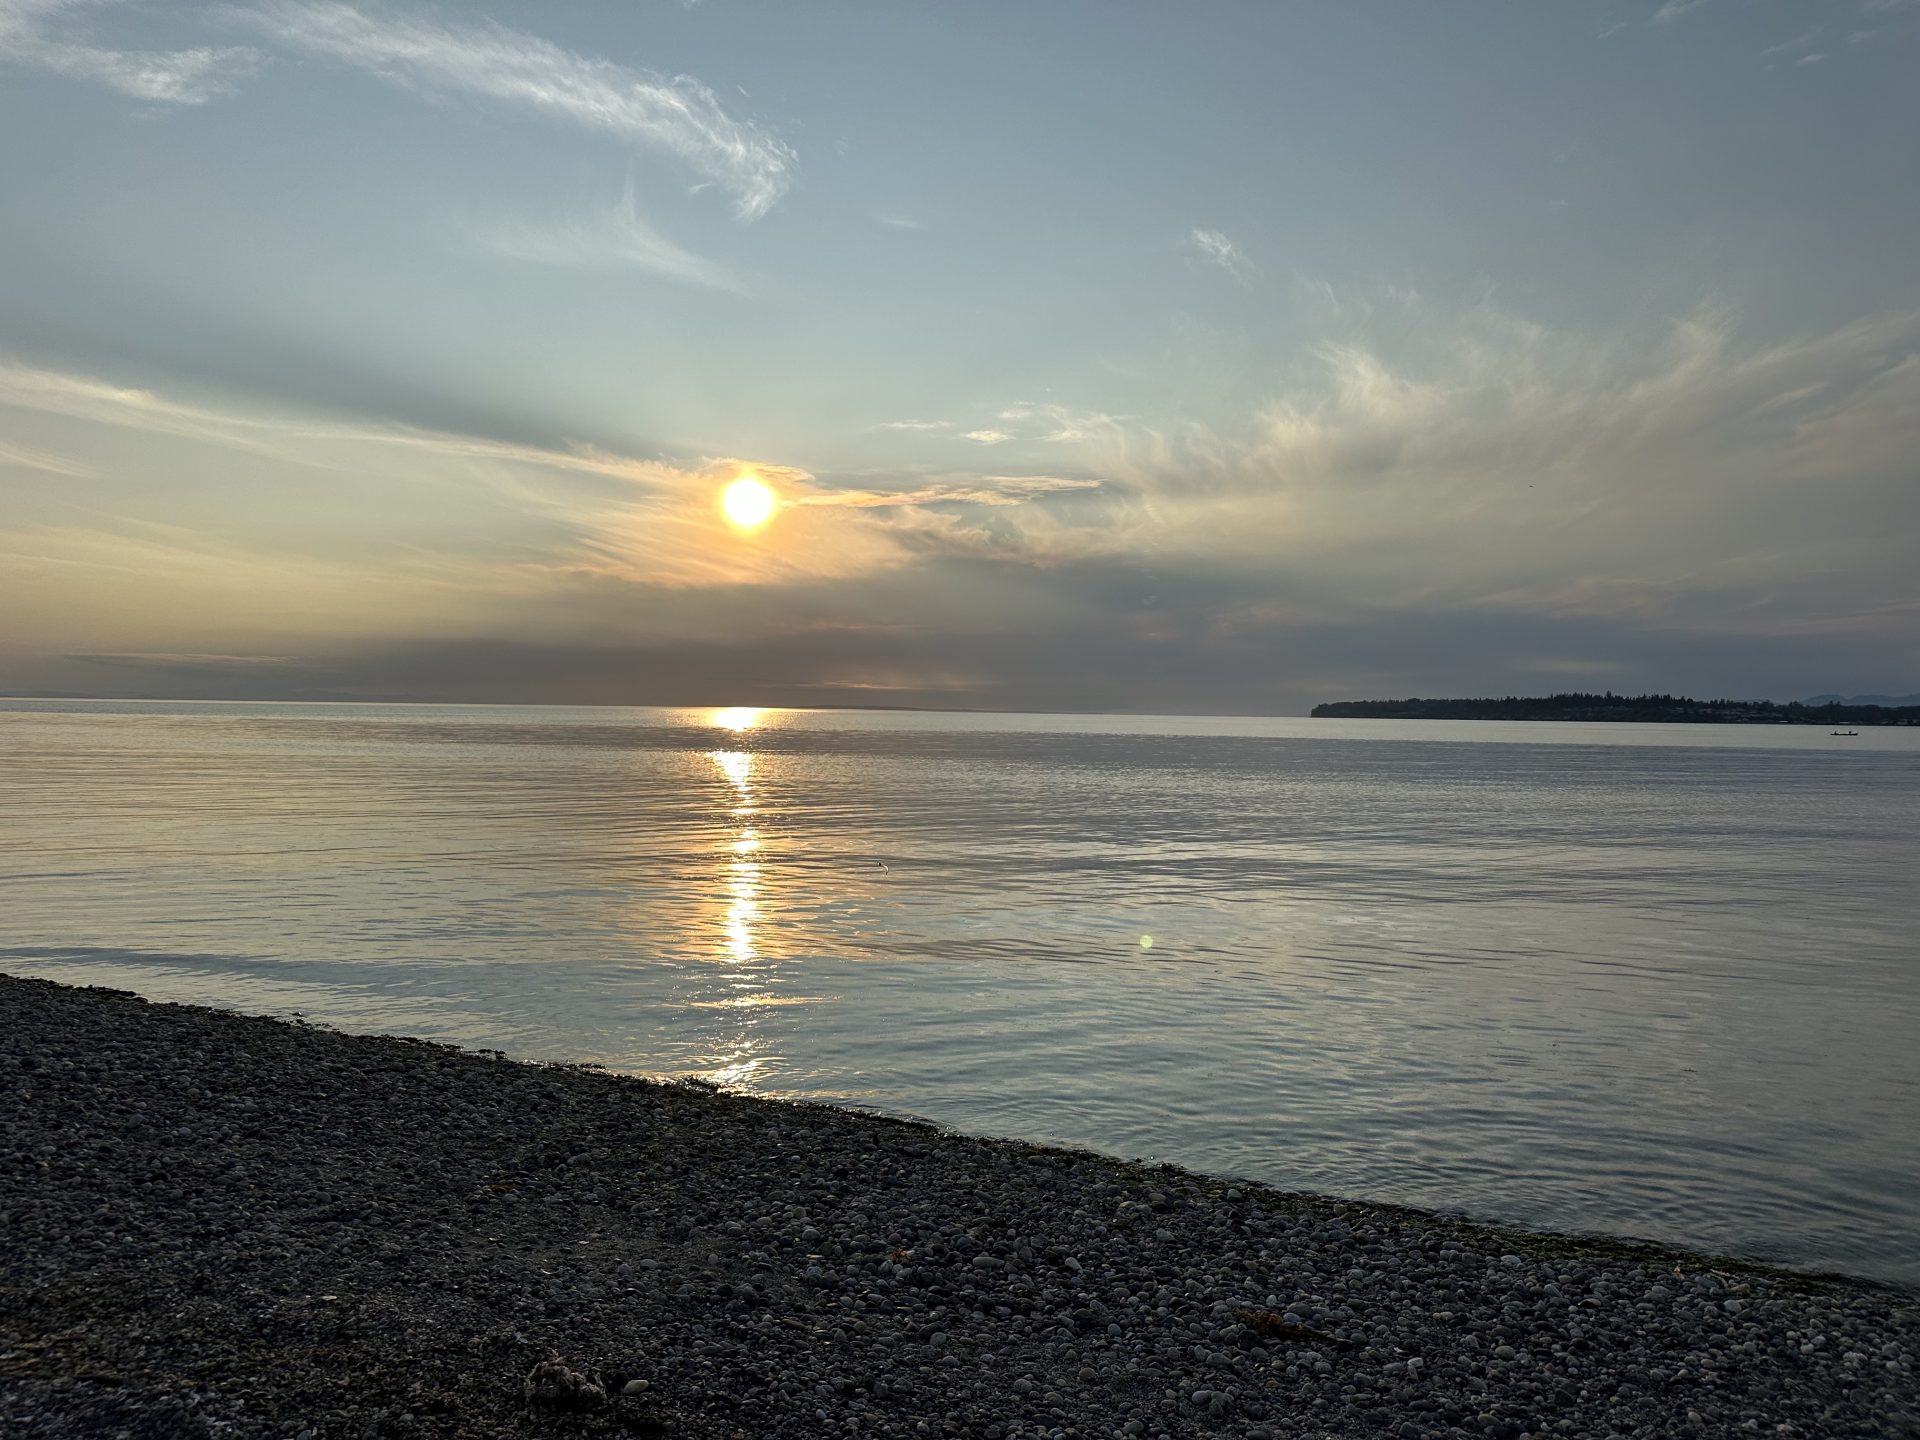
1646, 709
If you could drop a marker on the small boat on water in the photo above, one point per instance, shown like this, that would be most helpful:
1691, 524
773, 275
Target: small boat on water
1846, 734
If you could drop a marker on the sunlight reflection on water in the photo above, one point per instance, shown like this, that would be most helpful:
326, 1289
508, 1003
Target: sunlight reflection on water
1624, 980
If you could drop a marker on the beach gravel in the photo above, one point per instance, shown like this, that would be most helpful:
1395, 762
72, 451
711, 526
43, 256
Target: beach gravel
220, 1225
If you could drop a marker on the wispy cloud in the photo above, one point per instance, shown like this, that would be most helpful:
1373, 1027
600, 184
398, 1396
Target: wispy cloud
1803, 40
291, 438
659, 525
25, 458
987, 437
83, 397
29, 36
1672, 10
1884, 19
1685, 480
620, 239
1070, 426
1216, 249
900, 222
914, 425
991, 490
677, 115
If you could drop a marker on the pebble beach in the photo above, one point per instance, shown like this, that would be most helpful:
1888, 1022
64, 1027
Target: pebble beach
224, 1225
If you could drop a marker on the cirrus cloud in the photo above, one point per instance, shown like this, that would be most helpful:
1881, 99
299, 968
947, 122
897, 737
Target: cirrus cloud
674, 114
30, 36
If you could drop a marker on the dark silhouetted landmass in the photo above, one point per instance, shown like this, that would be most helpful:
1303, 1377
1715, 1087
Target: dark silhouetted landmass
1582, 705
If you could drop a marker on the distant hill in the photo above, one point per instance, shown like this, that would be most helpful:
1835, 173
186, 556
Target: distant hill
1901, 700
1665, 709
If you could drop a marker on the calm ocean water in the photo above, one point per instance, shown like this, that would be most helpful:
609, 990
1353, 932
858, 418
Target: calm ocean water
1652, 980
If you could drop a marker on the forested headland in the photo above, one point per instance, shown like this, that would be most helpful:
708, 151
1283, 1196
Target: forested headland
1585, 705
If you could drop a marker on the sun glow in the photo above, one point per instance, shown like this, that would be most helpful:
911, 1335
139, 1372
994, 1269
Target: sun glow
747, 503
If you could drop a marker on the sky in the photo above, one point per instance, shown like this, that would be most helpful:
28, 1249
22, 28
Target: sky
1216, 358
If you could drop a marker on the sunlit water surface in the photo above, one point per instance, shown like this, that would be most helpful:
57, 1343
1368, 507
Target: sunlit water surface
1654, 980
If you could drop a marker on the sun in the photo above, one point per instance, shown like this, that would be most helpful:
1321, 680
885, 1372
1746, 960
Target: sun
747, 503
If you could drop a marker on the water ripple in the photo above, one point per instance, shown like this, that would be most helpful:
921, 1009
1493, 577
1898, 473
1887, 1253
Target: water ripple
1649, 980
